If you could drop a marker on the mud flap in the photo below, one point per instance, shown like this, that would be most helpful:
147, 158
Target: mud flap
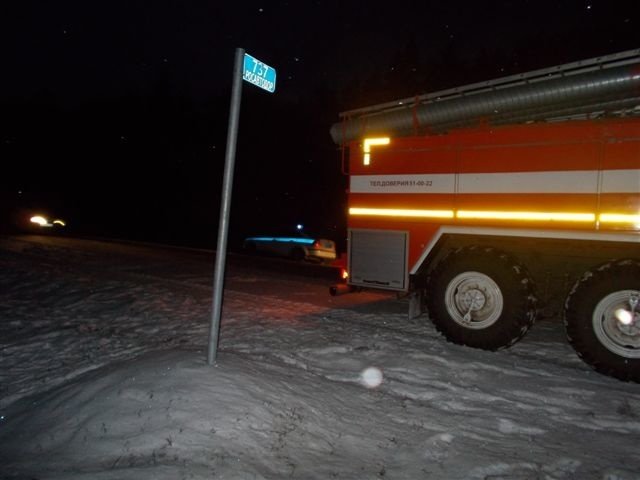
415, 304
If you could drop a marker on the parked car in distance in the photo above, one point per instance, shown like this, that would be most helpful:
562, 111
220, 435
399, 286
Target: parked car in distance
296, 247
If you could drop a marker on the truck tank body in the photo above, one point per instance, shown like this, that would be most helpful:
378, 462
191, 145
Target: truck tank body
591, 87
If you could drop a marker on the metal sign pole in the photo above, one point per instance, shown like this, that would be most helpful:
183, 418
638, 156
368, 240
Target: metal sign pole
225, 207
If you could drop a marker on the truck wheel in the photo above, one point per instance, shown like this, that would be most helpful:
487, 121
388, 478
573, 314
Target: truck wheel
602, 318
480, 297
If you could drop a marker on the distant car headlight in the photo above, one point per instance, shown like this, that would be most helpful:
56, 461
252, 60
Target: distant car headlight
40, 221
43, 222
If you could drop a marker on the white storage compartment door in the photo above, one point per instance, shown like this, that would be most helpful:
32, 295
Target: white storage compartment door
378, 259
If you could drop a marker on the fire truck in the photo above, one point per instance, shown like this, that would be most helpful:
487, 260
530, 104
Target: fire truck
496, 203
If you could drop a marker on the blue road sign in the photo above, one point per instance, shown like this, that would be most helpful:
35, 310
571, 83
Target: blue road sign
259, 73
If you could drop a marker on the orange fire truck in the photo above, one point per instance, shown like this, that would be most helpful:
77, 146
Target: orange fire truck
497, 202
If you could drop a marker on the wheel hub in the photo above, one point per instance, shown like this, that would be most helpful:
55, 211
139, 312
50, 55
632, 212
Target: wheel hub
631, 329
616, 322
628, 319
474, 300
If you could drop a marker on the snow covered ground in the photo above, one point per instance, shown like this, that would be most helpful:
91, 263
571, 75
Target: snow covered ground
103, 376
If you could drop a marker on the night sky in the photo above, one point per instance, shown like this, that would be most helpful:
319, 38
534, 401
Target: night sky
114, 114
